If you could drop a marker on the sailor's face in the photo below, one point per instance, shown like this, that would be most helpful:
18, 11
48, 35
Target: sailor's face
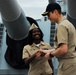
36, 33
52, 16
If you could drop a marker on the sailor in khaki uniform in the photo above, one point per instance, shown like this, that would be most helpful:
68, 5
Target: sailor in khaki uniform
64, 41
66, 34
39, 65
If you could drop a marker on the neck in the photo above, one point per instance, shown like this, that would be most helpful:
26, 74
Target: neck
36, 41
60, 17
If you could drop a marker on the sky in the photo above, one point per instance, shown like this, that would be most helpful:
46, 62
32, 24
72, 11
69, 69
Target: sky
33, 8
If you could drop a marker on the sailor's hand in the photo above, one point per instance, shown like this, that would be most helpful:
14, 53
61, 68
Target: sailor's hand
47, 56
45, 51
38, 54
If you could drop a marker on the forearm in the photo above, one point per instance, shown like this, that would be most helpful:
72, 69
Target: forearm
29, 59
57, 52
61, 50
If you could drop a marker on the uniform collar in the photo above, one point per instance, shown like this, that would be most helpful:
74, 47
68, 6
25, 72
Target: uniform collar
41, 43
63, 18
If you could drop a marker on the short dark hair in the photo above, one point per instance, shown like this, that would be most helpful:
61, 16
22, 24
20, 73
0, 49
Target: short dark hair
52, 7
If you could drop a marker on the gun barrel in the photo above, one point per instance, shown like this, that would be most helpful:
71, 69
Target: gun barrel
14, 19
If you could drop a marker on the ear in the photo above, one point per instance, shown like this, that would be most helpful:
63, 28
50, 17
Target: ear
56, 11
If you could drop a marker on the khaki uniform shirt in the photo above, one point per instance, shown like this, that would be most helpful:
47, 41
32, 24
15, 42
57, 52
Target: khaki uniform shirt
39, 65
65, 33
